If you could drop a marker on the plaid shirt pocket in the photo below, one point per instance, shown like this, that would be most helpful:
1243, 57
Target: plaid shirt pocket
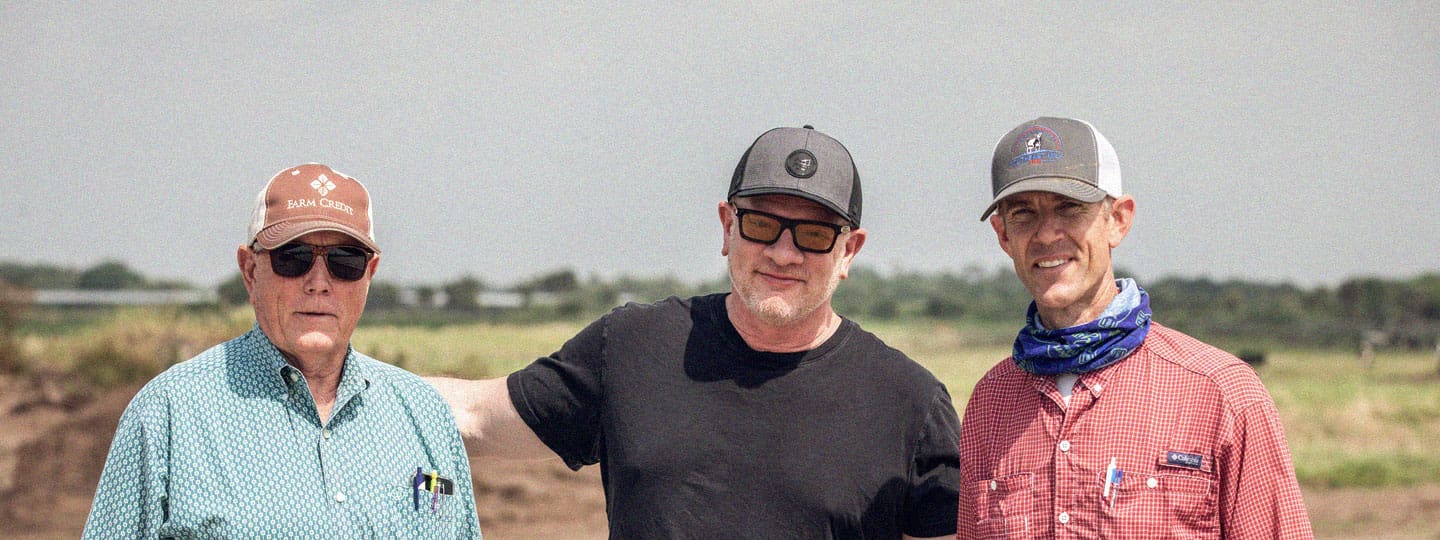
1004, 505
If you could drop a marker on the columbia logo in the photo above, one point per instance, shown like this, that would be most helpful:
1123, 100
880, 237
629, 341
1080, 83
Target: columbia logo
322, 185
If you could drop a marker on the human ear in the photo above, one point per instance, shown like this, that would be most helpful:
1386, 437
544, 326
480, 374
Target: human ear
245, 259
1122, 215
1001, 236
726, 216
852, 246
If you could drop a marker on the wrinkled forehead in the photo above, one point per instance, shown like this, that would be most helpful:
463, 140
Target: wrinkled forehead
789, 206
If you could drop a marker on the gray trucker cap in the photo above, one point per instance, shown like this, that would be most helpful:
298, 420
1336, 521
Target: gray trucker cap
1060, 155
804, 163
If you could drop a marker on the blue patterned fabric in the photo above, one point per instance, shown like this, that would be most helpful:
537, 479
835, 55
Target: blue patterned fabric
229, 445
1090, 346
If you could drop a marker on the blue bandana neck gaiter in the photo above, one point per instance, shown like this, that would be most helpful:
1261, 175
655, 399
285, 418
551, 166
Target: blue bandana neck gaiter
1090, 346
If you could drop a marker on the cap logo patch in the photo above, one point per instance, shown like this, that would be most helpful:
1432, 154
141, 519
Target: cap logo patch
1042, 145
322, 185
801, 164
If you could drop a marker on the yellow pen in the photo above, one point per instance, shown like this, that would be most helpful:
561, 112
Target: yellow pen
434, 491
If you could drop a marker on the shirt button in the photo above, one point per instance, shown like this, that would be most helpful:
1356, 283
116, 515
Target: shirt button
1152, 482
1064, 517
340, 497
1064, 446
325, 433
1099, 387
993, 485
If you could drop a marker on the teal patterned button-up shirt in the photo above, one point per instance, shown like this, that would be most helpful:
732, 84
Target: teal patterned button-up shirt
229, 445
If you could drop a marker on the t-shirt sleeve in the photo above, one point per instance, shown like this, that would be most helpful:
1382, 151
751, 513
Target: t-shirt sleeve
933, 497
559, 396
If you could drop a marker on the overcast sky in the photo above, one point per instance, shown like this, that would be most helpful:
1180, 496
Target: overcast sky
1294, 141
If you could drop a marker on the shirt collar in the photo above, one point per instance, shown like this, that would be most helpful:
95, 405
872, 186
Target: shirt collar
355, 376
1095, 382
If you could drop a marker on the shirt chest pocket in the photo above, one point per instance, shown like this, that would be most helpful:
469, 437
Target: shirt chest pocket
1003, 505
1170, 504
420, 515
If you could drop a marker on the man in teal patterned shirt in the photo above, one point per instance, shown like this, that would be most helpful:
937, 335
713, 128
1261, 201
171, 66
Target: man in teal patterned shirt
286, 432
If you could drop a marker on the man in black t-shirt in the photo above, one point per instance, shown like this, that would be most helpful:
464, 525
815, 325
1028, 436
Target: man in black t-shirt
759, 413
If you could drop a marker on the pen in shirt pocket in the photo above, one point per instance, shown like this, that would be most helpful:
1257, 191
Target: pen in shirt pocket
1113, 475
432, 482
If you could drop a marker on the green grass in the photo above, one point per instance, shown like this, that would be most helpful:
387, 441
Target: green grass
1348, 426
469, 350
957, 355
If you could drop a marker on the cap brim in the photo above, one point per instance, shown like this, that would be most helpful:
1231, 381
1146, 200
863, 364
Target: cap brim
1069, 187
769, 190
281, 233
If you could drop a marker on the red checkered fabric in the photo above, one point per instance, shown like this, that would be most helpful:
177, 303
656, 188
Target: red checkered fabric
1193, 432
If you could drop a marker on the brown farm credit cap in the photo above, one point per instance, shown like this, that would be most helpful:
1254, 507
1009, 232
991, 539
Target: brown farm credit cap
308, 198
804, 163
1060, 155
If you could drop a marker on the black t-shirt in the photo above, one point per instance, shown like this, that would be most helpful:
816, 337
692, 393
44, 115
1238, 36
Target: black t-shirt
700, 436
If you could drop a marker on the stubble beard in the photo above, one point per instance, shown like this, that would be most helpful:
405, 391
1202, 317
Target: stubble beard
776, 309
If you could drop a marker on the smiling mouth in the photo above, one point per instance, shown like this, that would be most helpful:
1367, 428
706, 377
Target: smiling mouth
1050, 263
775, 278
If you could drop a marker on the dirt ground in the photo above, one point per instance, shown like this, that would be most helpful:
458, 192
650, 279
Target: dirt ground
50, 431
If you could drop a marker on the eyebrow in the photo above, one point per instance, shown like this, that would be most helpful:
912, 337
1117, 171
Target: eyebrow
827, 218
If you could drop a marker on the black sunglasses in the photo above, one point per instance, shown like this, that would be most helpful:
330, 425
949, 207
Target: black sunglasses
809, 236
346, 263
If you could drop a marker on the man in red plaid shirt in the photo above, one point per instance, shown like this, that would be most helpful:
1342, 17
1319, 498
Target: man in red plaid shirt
1104, 424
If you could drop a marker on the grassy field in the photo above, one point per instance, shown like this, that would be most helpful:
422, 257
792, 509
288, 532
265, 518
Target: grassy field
1354, 430
1348, 425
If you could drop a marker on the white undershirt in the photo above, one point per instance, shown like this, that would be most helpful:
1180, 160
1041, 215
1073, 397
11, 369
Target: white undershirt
1065, 382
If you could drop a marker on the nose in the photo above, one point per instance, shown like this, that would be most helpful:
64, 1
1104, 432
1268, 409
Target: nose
317, 280
1050, 229
783, 250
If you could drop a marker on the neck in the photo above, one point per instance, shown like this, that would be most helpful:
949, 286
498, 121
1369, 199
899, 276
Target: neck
802, 334
322, 375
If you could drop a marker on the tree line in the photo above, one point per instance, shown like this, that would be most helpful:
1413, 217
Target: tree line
1401, 312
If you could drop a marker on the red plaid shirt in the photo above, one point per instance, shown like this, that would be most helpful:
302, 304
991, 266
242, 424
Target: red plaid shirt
1193, 432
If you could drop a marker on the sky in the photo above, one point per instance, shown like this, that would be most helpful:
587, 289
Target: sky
1277, 142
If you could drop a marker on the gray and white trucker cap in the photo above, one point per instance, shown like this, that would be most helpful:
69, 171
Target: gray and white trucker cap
1060, 155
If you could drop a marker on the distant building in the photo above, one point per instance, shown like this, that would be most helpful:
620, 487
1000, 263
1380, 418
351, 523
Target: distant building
123, 297
411, 297
501, 299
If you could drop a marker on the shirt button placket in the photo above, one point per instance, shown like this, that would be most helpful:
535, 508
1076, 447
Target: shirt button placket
328, 480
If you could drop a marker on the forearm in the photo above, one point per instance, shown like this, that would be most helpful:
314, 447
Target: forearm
488, 420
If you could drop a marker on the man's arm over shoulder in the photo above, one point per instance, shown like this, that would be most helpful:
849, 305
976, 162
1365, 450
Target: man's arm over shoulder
488, 420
